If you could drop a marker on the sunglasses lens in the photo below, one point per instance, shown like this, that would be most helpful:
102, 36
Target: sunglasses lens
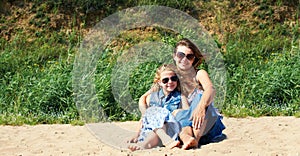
190, 56
180, 55
165, 80
174, 78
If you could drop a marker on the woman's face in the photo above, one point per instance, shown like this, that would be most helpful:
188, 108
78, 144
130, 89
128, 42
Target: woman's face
168, 81
184, 57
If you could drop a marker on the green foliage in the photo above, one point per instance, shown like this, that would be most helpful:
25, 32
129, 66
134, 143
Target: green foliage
263, 73
36, 81
140, 77
35, 65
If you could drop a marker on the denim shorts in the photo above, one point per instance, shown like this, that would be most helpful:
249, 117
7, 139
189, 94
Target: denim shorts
214, 133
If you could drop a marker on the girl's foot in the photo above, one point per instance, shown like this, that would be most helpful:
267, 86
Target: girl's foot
134, 147
133, 140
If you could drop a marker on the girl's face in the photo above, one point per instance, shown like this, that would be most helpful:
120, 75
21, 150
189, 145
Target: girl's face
168, 81
184, 57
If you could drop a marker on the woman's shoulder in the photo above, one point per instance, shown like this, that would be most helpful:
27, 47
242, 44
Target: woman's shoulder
201, 74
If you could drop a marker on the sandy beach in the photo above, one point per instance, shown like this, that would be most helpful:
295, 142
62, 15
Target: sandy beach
274, 136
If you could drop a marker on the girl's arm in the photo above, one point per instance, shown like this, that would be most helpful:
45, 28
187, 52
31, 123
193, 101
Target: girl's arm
206, 99
144, 102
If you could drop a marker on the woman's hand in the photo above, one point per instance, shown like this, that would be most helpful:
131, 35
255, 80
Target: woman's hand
198, 116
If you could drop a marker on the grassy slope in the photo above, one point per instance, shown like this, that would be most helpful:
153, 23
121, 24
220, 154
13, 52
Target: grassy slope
38, 42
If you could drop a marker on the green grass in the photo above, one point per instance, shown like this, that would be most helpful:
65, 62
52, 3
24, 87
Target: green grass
263, 72
262, 64
36, 81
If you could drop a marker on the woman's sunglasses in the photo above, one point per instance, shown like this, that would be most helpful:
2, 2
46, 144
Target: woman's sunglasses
166, 80
181, 55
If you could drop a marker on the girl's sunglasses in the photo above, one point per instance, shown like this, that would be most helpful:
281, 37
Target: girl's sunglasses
181, 55
172, 78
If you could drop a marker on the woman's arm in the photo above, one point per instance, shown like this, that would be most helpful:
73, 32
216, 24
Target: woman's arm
206, 99
208, 88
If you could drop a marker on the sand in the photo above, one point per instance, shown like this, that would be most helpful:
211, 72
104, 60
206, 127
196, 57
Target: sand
274, 136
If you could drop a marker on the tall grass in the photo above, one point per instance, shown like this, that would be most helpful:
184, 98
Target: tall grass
36, 80
140, 77
35, 68
263, 71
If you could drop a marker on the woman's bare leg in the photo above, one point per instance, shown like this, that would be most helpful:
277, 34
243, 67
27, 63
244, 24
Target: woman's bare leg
205, 127
187, 137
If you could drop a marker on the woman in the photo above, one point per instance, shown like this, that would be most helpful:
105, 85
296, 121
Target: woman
201, 120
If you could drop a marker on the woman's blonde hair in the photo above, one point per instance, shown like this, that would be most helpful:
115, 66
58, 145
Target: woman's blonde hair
159, 70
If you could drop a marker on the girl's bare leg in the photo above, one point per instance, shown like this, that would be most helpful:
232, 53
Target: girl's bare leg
166, 140
187, 137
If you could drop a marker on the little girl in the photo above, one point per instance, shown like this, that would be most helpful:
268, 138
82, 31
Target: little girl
158, 125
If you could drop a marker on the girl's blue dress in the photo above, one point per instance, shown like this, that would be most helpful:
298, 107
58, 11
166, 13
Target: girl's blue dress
160, 113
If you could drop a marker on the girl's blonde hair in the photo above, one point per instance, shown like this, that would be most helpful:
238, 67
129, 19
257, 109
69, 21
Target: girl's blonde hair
159, 70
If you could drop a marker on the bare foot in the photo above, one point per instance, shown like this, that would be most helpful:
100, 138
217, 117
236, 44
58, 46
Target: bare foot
132, 140
192, 143
172, 144
188, 142
134, 147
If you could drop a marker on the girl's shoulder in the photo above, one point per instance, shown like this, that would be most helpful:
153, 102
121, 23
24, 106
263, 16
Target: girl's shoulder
176, 93
157, 94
